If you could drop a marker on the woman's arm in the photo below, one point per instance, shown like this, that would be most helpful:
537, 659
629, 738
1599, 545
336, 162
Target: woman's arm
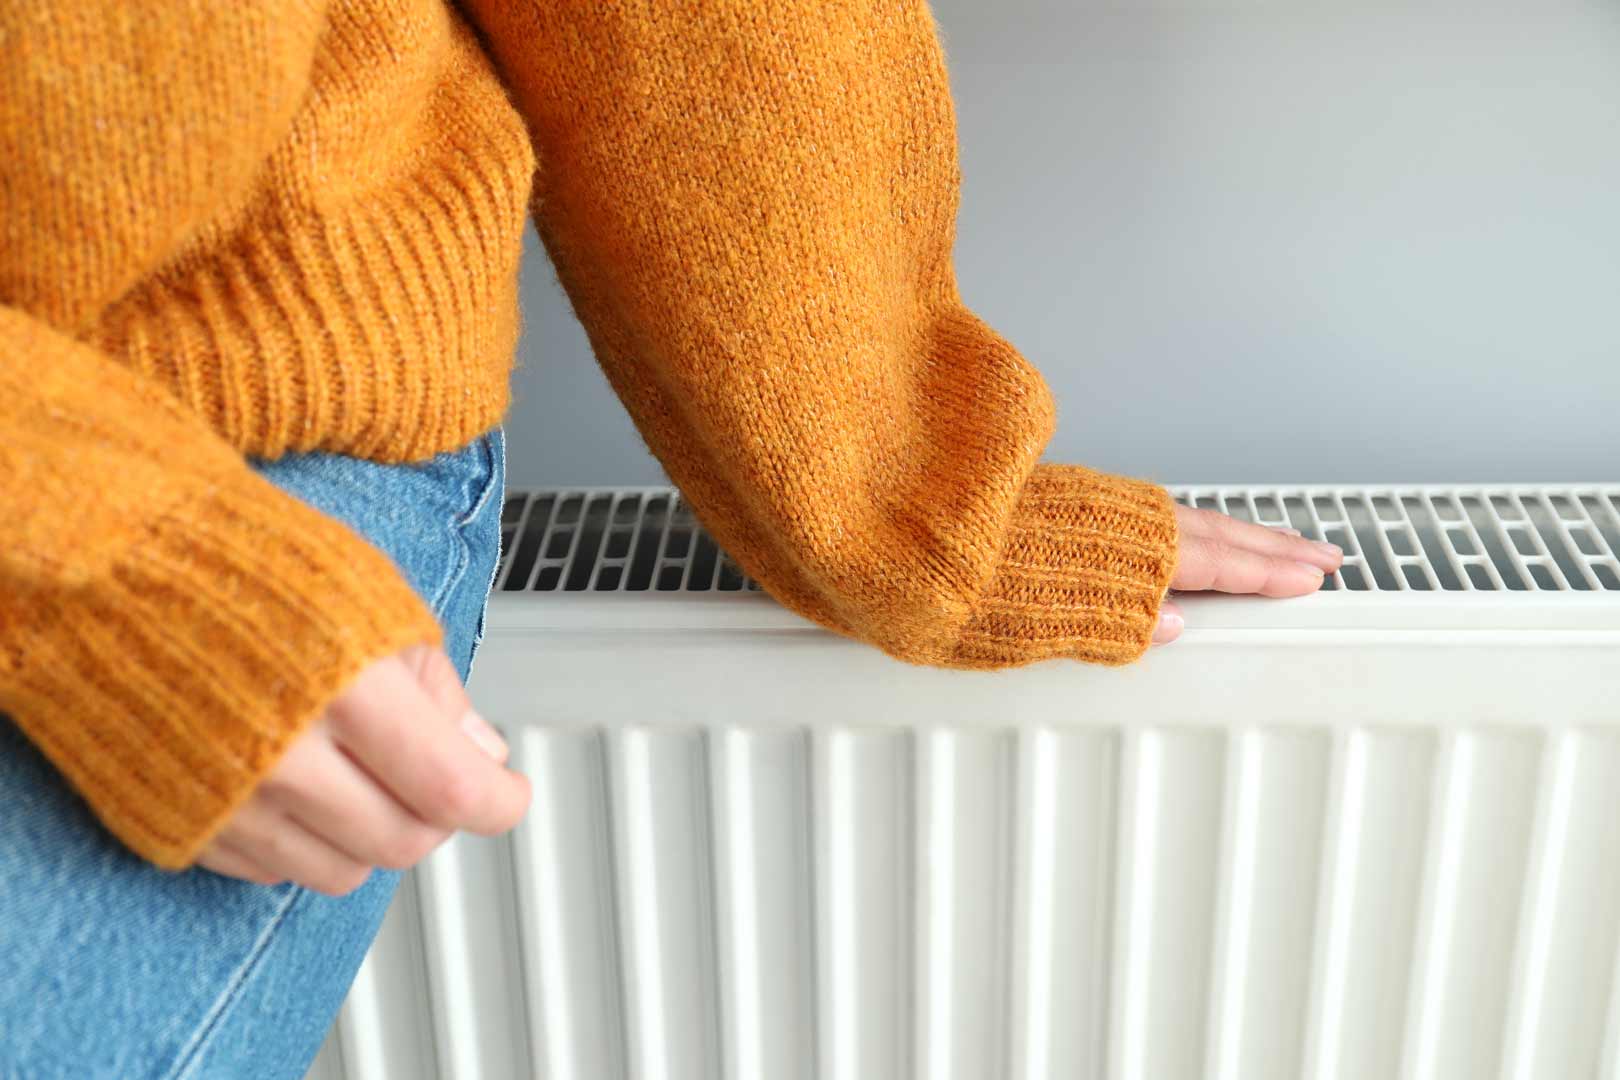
752, 208
169, 620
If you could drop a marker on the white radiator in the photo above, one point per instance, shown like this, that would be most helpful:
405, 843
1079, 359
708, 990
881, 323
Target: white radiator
1370, 833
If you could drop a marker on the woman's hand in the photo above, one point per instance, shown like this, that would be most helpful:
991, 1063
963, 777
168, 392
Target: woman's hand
395, 764
1227, 555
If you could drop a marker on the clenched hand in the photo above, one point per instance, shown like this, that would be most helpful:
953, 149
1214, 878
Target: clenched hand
395, 764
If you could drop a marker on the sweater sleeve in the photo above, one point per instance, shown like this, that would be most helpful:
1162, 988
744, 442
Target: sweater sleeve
169, 619
751, 205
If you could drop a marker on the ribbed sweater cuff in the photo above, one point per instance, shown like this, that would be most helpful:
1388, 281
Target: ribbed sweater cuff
167, 689
1087, 561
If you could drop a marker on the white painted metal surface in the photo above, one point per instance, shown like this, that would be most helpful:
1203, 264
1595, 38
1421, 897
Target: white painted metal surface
1367, 833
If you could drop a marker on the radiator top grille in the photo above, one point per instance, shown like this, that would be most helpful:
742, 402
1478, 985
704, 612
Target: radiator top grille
1395, 539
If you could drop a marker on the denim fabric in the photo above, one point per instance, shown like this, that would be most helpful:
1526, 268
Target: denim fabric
112, 968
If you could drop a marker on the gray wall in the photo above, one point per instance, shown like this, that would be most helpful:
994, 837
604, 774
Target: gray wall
1257, 242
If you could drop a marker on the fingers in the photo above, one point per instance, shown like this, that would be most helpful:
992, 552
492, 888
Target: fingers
390, 726
397, 762
221, 858
1220, 553
1212, 564
321, 788
1287, 545
284, 850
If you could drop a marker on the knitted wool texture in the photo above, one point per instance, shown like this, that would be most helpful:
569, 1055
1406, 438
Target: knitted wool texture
263, 227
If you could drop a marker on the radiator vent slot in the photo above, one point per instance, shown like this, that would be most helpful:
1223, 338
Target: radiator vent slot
1421, 539
610, 540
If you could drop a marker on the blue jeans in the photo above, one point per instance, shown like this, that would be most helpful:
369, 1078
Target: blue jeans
112, 968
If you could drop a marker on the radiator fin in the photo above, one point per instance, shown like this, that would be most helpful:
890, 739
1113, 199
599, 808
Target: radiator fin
955, 901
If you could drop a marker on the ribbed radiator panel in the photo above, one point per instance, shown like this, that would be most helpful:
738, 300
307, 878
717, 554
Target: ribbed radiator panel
968, 901
1365, 834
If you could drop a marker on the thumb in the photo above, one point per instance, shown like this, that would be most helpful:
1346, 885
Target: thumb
1170, 623
437, 676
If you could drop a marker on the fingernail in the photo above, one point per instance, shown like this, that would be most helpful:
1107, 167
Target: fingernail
478, 730
1170, 624
1328, 549
1289, 531
1317, 570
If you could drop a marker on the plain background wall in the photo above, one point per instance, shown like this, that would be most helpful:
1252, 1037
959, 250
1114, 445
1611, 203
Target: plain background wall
1256, 242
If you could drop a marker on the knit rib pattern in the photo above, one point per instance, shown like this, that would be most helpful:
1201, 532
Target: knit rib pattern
378, 321
168, 686
1086, 563
272, 226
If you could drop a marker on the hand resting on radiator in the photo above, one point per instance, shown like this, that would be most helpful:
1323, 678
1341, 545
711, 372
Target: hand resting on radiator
397, 762
1220, 553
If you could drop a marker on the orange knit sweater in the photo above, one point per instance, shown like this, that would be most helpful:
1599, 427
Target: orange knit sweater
279, 225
